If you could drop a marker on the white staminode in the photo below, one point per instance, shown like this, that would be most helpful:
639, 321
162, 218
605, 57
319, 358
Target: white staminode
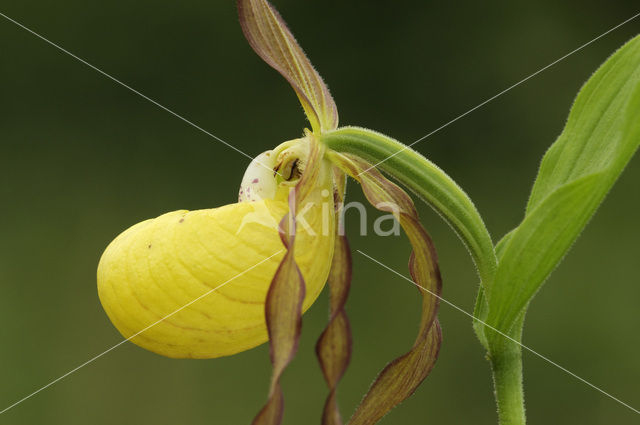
274, 172
259, 181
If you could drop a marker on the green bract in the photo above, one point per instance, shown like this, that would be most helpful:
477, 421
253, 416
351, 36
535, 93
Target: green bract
601, 136
599, 139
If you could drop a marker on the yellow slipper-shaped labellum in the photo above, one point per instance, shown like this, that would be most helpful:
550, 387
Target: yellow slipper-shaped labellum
157, 267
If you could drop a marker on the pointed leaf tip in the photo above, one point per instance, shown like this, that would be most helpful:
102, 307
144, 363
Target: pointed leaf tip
271, 39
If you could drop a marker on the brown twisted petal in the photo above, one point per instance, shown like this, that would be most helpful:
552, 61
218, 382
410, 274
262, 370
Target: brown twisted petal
334, 345
283, 312
283, 305
268, 35
400, 378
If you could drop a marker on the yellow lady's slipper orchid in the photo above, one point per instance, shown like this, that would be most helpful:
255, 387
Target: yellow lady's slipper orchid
215, 282
158, 266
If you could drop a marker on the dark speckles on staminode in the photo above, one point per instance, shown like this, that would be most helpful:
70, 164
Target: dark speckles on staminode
149, 246
181, 220
255, 181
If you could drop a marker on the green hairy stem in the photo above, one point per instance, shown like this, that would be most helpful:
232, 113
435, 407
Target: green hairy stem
507, 382
428, 182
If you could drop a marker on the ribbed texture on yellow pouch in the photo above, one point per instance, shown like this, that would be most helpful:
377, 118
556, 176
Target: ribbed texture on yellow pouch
156, 267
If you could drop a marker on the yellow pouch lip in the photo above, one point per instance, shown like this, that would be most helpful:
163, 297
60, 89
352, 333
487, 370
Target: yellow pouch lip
151, 271
145, 275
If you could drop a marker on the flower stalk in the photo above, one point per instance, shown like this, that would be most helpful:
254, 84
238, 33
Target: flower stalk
506, 368
428, 182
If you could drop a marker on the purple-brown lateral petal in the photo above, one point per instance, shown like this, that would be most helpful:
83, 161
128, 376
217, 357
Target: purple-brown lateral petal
400, 378
283, 305
334, 345
270, 38
283, 312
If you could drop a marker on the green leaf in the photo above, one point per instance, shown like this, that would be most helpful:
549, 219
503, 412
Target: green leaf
270, 38
601, 136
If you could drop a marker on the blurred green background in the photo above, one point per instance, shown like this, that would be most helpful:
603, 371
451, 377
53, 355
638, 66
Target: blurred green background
83, 158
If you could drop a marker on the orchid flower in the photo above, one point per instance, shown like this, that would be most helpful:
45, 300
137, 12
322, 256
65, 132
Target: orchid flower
214, 282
